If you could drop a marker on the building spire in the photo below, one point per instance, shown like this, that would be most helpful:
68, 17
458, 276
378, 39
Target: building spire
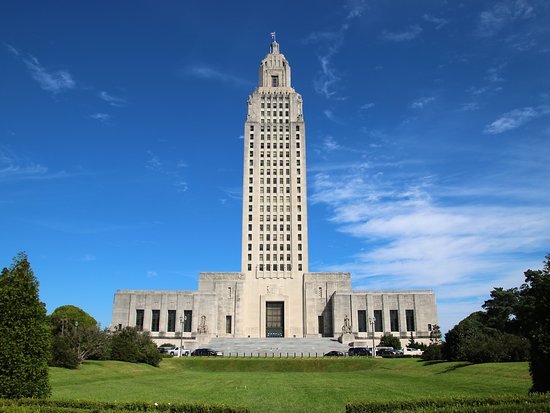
274, 48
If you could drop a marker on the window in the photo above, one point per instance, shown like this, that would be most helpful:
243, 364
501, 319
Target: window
171, 321
394, 320
297, 127
362, 321
187, 320
378, 322
274, 81
251, 127
409, 316
299, 267
228, 324
299, 257
229, 292
139, 319
155, 320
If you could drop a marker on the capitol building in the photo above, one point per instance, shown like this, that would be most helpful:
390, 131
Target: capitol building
275, 294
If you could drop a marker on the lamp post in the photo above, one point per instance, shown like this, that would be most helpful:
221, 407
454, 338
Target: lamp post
182, 320
372, 321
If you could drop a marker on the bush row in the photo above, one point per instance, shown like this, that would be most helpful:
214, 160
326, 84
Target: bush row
503, 404
64, 406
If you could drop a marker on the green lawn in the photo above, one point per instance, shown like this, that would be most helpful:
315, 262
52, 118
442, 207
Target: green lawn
293, 385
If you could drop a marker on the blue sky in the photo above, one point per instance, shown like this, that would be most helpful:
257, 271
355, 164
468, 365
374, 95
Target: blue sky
428, 140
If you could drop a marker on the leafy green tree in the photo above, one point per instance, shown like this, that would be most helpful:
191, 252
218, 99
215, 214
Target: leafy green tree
435, 335
534, 319
24, 334
501, 310
415, 344
76, 337
129, 344
388, 340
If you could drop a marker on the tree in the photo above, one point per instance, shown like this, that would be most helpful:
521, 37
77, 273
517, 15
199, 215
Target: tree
129, 344
501, 310
24, 334
435, 335
415, 344
76, 337
534, 319
388, 340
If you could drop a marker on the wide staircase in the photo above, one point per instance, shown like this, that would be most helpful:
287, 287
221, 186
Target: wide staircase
276, 347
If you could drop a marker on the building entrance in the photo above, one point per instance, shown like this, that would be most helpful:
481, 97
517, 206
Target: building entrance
274, 319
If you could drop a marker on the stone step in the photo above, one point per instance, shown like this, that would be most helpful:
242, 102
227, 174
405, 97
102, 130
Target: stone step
276, 347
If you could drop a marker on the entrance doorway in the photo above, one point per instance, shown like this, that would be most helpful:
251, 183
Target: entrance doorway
274, 319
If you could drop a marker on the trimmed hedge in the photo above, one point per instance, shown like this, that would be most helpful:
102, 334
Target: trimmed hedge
507, 404
82, 406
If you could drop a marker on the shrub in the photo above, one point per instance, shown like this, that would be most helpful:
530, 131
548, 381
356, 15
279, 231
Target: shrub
64, 354
129, 344
433, 352
24, 334
388, 340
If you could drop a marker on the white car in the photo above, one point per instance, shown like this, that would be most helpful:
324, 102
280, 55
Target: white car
176, 352
412, 352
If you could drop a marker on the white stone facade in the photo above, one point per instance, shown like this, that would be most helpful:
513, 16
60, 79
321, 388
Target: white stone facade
274, 295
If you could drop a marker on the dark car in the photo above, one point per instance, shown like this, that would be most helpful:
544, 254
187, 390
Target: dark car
334, 353
386, 352
206, 352
359, 351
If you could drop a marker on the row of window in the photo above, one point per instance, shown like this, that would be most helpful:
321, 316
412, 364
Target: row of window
379, 321
268, 163
287, 137
186, 319
281, 248
268, 145
267, 154
268, 227
268, 113
274, 267
268, 104
268, 127
267, 190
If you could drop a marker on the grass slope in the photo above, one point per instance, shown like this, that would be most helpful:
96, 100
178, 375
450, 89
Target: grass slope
281, 385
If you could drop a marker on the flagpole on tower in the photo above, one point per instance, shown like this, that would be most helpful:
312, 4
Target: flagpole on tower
273, 36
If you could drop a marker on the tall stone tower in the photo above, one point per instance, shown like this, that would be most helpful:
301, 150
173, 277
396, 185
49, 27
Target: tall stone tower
274, 232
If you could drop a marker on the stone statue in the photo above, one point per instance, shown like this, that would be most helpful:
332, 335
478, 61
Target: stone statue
202, 328
346, 328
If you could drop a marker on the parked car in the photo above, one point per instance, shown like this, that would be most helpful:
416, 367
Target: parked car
206, 352
386, 352
412, 352
334, 353
359, 351
166, 349
176, 352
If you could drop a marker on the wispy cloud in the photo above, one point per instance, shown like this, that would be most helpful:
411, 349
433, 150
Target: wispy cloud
330, 144
421, 102
330, 42
331, 116
438, 21
152, 274
12, 49
211, 73
515, 118
88, 258
53, 81
461, 250
174, 172
502, 14
14, 167
367, 106
494, 74
102, 117
403, 36
111, 100
469, 106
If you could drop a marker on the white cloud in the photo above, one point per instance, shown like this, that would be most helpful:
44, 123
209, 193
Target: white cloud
14, 167
154, 162
330, 115
367, 106
502, 14
52, 81
211, 73
411, 33
438, 21
102, 117
12, 49
152, 274
181, 186
111, 100
494, 73
88, 258
330, 144
469, 106
461, 250
515, 118
421, 102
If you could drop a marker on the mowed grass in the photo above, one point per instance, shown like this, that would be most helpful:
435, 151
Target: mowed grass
287, 385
